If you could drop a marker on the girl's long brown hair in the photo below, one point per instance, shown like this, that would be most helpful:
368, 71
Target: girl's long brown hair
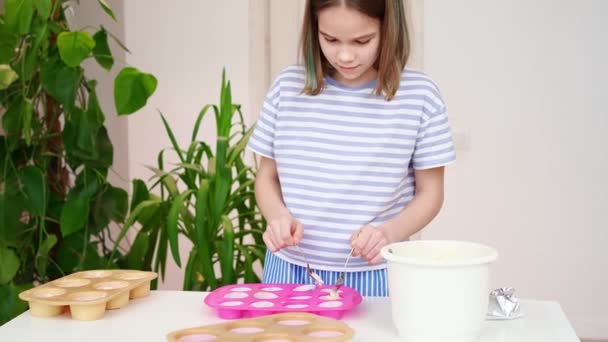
394, 43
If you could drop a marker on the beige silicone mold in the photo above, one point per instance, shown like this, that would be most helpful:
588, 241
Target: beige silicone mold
285, 327
88, 294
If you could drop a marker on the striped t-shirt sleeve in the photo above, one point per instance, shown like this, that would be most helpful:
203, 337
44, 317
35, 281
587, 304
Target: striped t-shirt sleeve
434, 145
262, 139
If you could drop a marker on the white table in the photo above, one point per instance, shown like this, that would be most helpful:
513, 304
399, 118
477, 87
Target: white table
151, 318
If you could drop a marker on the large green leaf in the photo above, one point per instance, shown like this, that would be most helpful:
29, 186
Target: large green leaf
74, 215
132, 88
204, 242
35, 189
140, 193
61, 82
8, 41
172, 224
69, 252
28, 65
93, 106
138, 251
227, 252
12, 204
102, 52
198, 121
10, 305
7, 76
110, 206
160, 263
87, 134
18, 15
54, 207
44, 8
190, 270
132, 219
71, 257
80, 136
12, 120
105, 150
9, 264
107, 9
74, 46
87, 184
172, 138
70, 138
42, 258
94, 149
249, 274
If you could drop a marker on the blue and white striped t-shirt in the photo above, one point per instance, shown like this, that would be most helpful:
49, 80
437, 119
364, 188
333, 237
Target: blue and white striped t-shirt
346, 157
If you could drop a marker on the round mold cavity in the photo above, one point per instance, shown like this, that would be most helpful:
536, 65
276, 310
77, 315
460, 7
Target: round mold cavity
330, 297
95, 274
324, 333
296, 306
272, 289
299, 297
304, 288
71, 282
131, 275
330, 304
197, 338
111, 285
245, 329
262, 304
48, 292
241, 289
87, 296
265, 295
231, 303
236, 295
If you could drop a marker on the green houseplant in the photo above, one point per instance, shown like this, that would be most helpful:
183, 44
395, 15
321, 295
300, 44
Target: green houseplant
207, 197
55, 201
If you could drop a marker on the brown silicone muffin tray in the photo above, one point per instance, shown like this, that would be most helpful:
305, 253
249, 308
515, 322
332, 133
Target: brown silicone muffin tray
285, 327
88, 294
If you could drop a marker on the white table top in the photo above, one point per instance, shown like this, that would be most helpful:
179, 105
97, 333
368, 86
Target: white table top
153, 317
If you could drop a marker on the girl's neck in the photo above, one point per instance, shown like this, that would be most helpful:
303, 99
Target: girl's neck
369, 76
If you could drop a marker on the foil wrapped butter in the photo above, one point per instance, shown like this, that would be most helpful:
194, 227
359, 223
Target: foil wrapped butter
504, 304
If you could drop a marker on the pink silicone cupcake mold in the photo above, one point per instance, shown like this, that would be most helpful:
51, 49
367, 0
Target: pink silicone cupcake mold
253, 300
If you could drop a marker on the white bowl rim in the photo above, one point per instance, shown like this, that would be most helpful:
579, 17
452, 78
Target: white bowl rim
490, 256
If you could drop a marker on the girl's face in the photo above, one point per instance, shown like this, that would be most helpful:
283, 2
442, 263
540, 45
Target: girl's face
349, 41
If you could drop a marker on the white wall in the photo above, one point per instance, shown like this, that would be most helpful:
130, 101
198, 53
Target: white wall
527, 81
185, 44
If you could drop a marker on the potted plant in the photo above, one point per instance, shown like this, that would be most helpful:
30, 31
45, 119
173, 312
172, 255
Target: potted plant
207, 197
55, 201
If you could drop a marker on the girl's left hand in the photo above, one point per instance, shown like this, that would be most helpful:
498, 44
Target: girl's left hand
367, 243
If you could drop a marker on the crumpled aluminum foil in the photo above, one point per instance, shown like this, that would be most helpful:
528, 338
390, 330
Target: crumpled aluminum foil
503, 304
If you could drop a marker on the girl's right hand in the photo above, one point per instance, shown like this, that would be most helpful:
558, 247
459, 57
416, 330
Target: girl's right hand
282, 232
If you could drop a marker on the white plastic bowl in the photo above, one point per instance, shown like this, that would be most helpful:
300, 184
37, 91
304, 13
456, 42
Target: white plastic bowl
438, 289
